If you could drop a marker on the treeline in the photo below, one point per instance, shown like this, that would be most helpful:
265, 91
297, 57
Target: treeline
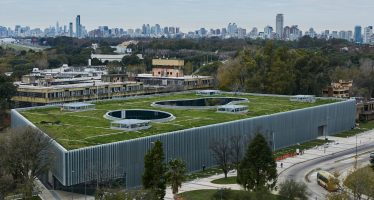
283, 70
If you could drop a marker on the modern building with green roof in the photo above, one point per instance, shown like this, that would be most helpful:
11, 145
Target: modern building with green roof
88, 148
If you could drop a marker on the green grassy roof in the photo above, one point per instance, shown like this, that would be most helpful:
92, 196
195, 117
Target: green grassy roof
81, 129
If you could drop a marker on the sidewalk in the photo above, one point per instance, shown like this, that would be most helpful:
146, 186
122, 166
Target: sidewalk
339, 144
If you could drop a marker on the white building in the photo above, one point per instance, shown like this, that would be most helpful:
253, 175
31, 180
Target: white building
368, 32
279, 26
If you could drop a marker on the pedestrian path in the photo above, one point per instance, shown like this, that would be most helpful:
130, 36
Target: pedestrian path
338, 144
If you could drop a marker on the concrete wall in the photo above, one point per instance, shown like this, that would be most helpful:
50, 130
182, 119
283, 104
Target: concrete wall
192, 145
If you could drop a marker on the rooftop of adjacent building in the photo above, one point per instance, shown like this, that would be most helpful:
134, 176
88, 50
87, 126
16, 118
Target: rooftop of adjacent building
91, 83
167, 62
187, 77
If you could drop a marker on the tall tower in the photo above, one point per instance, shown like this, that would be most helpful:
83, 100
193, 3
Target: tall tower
358, 34
57, 28
71, 29
368, 32
279, 26
78, 26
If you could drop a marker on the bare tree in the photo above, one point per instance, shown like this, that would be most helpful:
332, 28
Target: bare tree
237, 142
222, 152
25, 154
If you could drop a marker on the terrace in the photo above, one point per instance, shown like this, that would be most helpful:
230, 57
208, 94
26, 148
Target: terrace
88, 128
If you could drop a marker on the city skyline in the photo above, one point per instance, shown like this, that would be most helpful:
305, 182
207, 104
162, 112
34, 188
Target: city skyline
318, 14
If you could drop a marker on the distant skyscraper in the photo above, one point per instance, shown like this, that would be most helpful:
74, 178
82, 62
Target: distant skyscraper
78, 29
166, 30
349, 35
57, 28
158, 29
71, 29
286, 32
242, 33
224, 31
268, 31
172, 30
254, 32
368, 32
232, 29
358, 34
144, 29
279, 26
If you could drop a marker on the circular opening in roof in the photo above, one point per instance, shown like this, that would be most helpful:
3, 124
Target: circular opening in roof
200, 103
140, 114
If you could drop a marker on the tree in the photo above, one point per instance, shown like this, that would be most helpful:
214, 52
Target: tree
96, 62
281, 76
154, 177
361, 182
176, 174
7, 91
221, 153
188, 68
25, 155
258, 170
7, 183
339, 195
236, 149
293, 190
131, 60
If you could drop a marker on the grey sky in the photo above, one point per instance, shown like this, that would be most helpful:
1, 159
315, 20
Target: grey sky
189, 14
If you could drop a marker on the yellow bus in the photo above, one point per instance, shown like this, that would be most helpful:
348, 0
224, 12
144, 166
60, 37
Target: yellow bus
324, 179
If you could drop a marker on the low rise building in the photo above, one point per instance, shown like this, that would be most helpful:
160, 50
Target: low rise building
167, 75
167, 68
30, 95
165, 84
365, 109
109, 58
341, 89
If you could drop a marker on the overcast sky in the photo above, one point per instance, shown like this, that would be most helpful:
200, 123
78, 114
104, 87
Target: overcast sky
189, 14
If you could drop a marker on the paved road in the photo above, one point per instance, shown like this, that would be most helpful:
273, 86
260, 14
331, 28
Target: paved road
340, 161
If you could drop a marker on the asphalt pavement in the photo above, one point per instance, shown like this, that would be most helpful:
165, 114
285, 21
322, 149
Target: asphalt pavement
342, 162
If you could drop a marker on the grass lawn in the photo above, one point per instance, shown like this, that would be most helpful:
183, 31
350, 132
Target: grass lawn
202, 174
363, 126
80, 129
232, 194
228, 180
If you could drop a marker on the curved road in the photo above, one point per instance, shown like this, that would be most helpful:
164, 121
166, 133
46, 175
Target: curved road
340, 161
